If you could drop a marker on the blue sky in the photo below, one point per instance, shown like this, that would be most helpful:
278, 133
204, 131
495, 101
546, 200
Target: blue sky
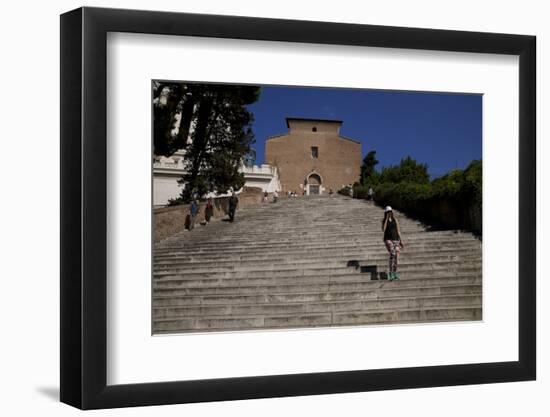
442, 130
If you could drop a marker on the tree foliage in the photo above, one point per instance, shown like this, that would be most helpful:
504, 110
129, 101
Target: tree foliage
368, 170
217, 123
408, 170
453, 200
172, 114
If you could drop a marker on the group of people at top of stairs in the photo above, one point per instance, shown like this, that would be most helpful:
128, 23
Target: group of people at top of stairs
209, 211
392, 240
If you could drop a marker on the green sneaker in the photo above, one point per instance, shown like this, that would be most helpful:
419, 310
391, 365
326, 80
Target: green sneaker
390, 276
396, 276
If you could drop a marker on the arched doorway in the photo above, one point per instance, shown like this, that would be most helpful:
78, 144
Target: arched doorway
313, 184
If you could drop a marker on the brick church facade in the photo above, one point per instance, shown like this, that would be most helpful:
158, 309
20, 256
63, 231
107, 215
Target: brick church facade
313, 157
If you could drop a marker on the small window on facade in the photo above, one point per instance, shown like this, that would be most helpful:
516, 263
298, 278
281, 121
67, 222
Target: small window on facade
314, 129
314, 152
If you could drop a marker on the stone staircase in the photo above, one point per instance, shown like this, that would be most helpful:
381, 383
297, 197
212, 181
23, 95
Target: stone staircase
309, 262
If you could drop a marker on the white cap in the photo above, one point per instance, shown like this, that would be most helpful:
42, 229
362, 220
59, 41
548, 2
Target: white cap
388, 208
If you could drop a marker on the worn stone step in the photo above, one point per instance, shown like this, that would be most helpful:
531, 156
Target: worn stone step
412, 287
309, 263
304, 249
315, 271
269, 289
380, 250
220, 235
313, 231
316, 320
407, 271
443, 276
373, 248
374, 240
243, 232
317, 307
297, 256
456, 313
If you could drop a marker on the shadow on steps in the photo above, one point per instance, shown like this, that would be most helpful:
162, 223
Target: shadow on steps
368, 269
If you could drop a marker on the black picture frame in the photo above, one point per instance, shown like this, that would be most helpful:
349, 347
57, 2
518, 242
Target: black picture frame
84, 207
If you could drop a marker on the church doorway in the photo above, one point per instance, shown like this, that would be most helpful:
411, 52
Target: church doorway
313, 184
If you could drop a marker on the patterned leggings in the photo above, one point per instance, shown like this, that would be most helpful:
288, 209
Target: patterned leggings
393, 248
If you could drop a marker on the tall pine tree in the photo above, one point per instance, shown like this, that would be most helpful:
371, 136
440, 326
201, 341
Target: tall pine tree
221, 134
368, 171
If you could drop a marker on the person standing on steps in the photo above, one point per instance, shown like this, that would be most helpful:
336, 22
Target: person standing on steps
193, 211
233, 203
392, 240
371, 195
208, 211
275, 196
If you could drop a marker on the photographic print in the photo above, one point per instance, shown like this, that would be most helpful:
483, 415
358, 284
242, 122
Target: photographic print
319, 203
279, 207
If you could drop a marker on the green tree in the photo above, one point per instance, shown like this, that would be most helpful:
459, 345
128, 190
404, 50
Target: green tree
221, 138
172, 114
212, 124
408, 170
368, 171
473, 181
448, 184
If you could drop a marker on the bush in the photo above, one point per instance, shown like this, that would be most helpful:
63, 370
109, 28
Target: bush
346, 191
454, 200
360, 191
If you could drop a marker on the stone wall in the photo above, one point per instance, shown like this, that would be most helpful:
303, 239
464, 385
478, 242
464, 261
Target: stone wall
173, 219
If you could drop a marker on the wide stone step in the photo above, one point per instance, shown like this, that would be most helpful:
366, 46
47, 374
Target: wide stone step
175, 290
282, 229
305, 256
473, 288
240, 232
318, 307
354, 229
240, 250
432, 269
359, 256
316, 320
261, 249
181, 282
258, 229
298, 241
314, 262
373, 245
352, 252
432, 284
316, 270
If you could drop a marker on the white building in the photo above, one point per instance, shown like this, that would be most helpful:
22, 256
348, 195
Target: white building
264, 176
167, 171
